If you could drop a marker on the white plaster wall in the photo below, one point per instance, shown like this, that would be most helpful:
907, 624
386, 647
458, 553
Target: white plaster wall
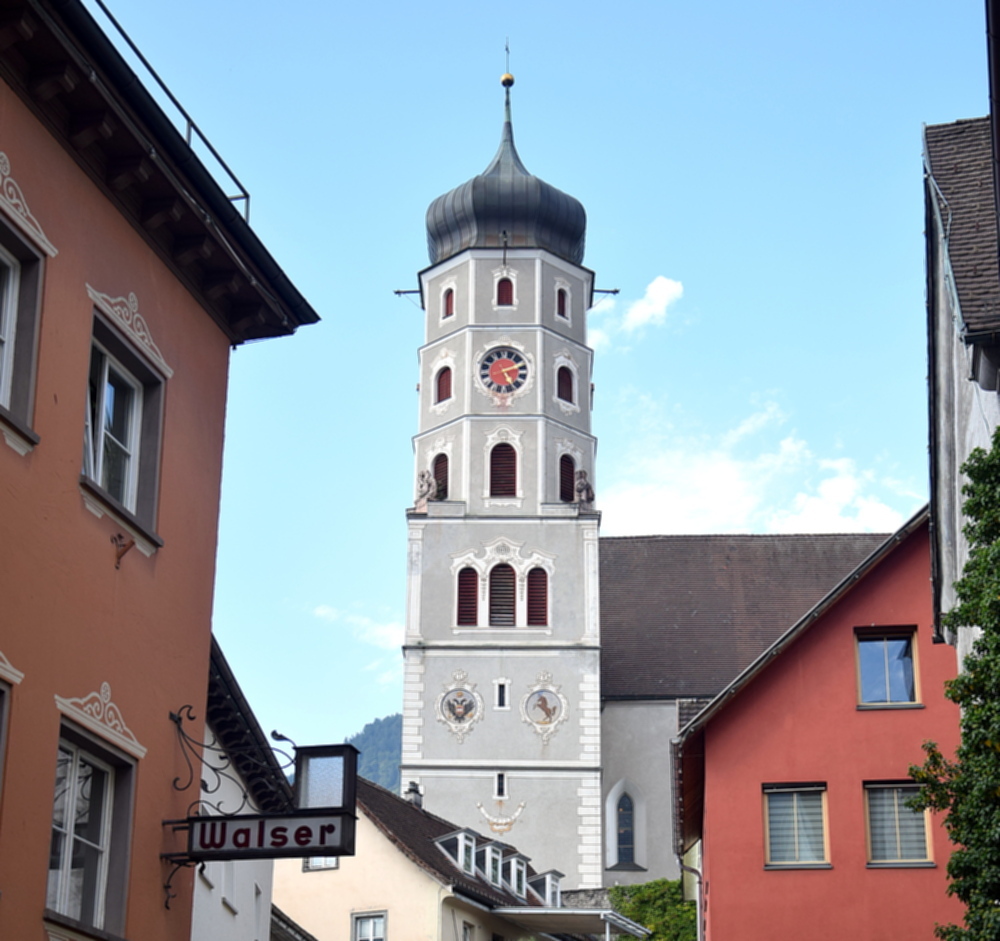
636, 744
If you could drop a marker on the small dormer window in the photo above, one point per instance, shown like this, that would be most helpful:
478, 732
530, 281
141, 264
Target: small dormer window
518, 876
467, 853
553, 896
494, 865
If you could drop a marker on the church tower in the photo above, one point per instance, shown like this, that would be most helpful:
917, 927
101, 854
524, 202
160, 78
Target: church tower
501, 717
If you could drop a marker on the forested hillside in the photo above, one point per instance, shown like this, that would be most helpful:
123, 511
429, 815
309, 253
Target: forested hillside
381, 744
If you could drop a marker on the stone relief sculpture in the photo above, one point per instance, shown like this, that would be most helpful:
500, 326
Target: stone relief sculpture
426, 489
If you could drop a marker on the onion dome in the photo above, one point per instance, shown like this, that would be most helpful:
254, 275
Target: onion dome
506, 205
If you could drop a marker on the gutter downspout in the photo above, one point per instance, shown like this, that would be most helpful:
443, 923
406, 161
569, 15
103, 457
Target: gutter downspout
699, 912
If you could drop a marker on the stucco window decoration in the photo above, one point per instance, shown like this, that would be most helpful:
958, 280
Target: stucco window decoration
544, 707
8, 671
98, 714
124, 313
459, 706
15, 207
886, 669
796, 825
566, 384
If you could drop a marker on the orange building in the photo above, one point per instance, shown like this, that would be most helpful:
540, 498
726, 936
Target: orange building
126, 274
793, 781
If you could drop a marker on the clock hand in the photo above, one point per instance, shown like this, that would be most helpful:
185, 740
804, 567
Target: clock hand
506, 370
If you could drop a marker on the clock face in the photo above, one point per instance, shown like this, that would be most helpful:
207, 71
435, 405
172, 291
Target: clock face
503, 370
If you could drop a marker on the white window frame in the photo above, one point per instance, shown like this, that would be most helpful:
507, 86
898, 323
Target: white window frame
10, 290
904, 791
800, 792
467, 853
320, 863
494, 865
501, 786
361, 920
59, 893
518, 877
501, 683
96, 429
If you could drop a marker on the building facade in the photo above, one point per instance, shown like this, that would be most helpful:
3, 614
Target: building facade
794, 779
126, 275
501, 718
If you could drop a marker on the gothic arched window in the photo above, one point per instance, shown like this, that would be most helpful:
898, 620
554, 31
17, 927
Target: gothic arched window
561, 302
440, 471
564, 383
505, 292
502, 582
625, 812
449, 303
567, 478
468, 597
503, 471
442, 389
538, 597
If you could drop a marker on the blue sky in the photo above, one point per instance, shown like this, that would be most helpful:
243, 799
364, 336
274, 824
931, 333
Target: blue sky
753, 182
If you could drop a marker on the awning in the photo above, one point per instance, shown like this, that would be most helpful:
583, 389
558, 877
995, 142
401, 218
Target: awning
573, 921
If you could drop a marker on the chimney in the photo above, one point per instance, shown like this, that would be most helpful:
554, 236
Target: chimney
412, 794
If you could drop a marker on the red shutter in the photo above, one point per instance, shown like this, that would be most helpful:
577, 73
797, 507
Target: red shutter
505, 292
444, 384
502, 596
449, 303
564, 384
503, 471
567, 478
561, 302
468, 597
441, 476
538, 597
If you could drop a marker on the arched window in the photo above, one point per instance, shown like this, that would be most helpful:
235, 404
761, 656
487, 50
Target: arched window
626, 829
567, 478
468, 597
443, 386
505, 292
503, 471
538, 597
449, 303
564, 383
440, 470
502, 582
561, 302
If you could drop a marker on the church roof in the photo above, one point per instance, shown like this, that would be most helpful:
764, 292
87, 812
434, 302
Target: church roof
959, 161
682, 616
506, 204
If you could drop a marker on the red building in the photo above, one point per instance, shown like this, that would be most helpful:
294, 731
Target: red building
126, 276
793, 781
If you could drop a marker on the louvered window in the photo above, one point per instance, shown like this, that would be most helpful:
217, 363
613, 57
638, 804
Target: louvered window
441, 477
449, 303
625, 813
503, 471
505, 292
443, 390
502, 583
561, 302
567, 478
468, 597
564, 384
795, 830
538, 597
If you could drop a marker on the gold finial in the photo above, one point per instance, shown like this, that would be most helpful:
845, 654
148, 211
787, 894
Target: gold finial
506, 80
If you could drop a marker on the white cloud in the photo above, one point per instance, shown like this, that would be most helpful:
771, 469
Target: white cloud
743, 480
605, 321
388, 635
652, 308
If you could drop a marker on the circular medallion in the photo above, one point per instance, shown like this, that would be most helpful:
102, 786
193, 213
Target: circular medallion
503, 370
543, 707
458, 706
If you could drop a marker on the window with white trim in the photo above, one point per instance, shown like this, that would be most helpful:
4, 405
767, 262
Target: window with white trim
89, 846
518, 876
500, 786
449, 303
625, 829
562, 298
122, 426
20, 307
505, 292
320, 863
897, 835
468, 931
886, 674
494, 865
501, 694
369, 927
467, 853
795, 824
